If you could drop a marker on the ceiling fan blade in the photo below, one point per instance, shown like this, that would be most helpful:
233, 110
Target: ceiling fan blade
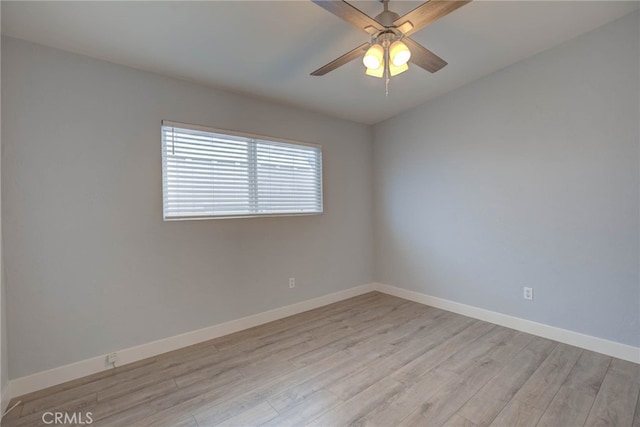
347, 57
423, 57
351, 14
428, 12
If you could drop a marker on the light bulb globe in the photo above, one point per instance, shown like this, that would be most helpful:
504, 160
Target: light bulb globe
399, 53
373, 58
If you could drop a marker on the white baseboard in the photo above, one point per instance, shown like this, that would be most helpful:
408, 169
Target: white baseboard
41, 380
44, 379
599, 345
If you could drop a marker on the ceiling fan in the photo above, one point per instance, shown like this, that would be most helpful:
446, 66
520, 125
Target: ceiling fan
390, 47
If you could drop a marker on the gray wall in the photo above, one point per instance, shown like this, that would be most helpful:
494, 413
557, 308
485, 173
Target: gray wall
528, 177
90, 265
4, 359
4, 351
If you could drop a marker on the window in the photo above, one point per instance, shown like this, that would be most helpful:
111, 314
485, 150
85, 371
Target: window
209, 173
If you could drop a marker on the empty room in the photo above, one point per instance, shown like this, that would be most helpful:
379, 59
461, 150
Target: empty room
320, 213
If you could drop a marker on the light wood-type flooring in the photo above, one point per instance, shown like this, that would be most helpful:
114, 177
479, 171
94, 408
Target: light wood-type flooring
370, 360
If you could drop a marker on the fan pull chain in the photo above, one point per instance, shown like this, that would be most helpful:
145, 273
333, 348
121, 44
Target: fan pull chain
386, 70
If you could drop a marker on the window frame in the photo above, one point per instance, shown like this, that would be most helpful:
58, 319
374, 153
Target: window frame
233, 133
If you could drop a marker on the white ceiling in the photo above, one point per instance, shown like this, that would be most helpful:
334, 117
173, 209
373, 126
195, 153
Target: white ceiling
267, 49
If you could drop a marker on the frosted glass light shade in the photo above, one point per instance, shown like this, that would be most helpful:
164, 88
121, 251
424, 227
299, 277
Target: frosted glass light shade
378, 72
374, 57
399, 53
394, 71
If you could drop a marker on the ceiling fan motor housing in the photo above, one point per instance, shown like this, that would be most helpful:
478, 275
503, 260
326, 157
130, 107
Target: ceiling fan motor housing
387, 18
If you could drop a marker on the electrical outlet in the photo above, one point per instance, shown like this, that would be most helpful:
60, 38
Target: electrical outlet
528, 293
112, 358
292, 282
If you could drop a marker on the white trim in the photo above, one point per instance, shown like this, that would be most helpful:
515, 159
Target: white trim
171, 123
44, 379
5, 397
599, 345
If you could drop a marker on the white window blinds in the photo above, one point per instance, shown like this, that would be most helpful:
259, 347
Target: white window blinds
211, 173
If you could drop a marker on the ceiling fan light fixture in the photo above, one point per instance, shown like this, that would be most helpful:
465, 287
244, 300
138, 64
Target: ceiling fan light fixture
395, 70
399, 53
387, 28
373, 59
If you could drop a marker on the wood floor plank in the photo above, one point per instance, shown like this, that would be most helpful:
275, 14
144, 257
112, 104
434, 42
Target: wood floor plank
370, 360
569, 407
201, 397
172, 420
316, 348
518, 414
572, 403
499, 345
483, 407
95, 380
180, 402
14, 413
370, 330
198, 396
439, 408
447, 343
498, 342
255, 416
249, 394
116, 378
394, 409
544, 383
304, 410
352, 342
308, 319
138, 397
230, 358
340, 367
357, 408
588, 372
459, 421
615, 403
628, 369
636, 418
166, 407
222, 408
353, 384
463, 360
518, 370
352, 318
504, 350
